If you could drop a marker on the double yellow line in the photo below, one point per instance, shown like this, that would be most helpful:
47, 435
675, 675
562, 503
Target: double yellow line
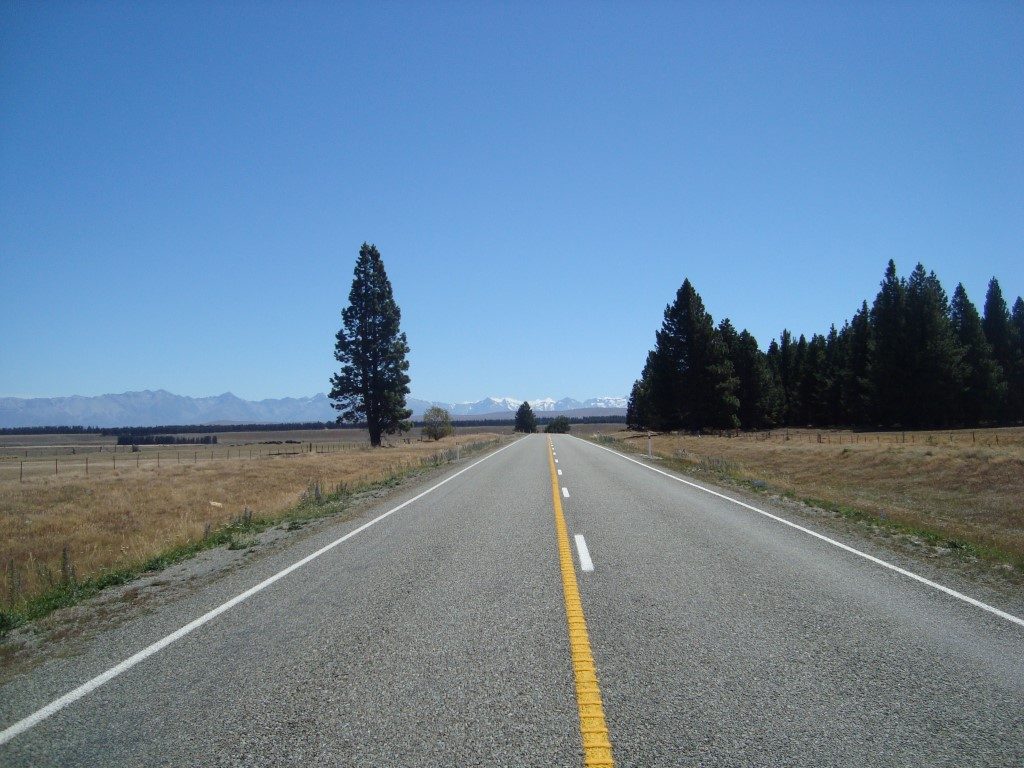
597, 749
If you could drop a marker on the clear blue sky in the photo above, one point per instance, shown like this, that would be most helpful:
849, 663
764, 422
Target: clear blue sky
184, 188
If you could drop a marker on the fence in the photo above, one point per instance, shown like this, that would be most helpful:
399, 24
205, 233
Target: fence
90, 461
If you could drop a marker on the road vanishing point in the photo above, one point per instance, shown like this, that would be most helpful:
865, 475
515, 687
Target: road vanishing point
552, 604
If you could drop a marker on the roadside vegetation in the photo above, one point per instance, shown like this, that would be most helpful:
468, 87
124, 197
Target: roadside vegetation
64, 538
960, 491
437, 423
558, 425
526, 420
913, 359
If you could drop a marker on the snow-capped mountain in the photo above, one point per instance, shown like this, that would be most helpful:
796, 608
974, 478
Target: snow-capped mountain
605, 402
498, 405
151, 408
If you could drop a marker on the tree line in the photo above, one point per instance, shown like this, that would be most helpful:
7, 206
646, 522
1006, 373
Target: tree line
913, 359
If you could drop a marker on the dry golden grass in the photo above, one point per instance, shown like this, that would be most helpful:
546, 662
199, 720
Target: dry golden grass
121, 519
965, 485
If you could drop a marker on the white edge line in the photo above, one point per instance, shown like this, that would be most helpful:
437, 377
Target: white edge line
909, 574
565, 492
586, 564
58, 704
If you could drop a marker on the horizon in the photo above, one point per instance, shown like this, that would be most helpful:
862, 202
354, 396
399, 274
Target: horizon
539, 181
315, 394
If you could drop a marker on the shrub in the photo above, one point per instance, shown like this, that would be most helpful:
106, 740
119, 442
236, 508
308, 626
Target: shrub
437, 423
558, 425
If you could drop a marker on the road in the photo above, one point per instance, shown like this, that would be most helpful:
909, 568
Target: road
438, 636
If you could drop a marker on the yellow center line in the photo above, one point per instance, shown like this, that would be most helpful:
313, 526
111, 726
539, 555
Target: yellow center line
597, 749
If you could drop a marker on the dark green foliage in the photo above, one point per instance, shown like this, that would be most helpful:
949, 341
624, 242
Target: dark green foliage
638, 408
788, 375
913, 360
558, 425
437, 423
690, 378
373, 383
856, 384
889, 374
814, 381
997, 326
758, 393
525, 419
1016, 376
984, 389
932, 359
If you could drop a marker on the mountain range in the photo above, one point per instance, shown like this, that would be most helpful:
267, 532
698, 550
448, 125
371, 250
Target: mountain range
149, 408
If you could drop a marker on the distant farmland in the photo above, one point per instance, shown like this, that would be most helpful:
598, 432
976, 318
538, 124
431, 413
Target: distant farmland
78, 526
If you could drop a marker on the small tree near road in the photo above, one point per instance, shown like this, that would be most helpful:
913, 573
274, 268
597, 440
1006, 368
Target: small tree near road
558, 425
525, 420
437, 423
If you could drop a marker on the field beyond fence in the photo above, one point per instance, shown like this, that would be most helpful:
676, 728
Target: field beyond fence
959, 490
59, 530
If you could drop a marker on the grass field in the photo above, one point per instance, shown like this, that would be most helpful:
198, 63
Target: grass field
66, 529
24, 457
961, 489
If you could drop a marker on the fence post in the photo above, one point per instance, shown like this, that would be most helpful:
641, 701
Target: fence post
21, 472
650, 450
86, 466
55, 466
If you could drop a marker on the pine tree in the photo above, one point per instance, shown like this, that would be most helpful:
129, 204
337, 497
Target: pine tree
933, 357
636, 407
888, 365
1016, 379
525, 419
835, 361
789, 379
799, 402
996, 324
984, 391
692, 385
644, 415
814, 381
857, 386
758, 395
372, 384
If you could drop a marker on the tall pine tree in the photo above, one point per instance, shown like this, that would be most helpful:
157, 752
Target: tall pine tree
692, 384
888, 365
857, 386
984, 391
1000, 334
932, 358
757, 391
1016, 378
372, 384
526, 421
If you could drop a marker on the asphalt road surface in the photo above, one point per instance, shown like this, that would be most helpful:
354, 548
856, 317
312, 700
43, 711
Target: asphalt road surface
438, 636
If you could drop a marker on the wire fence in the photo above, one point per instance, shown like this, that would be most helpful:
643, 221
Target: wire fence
89, 461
